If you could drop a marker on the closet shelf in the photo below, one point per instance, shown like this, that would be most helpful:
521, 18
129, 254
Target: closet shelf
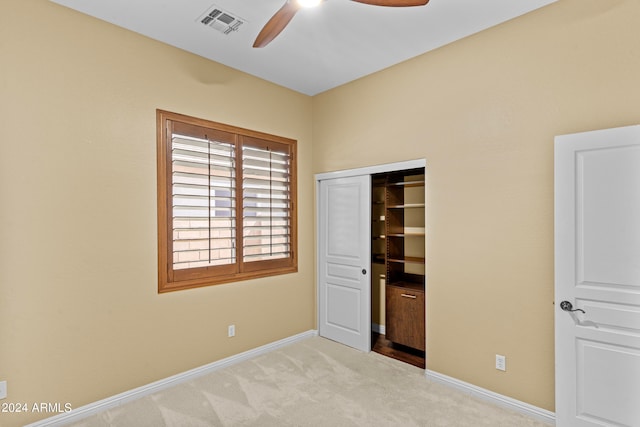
406, 206
407, 260
378, 258
407, 184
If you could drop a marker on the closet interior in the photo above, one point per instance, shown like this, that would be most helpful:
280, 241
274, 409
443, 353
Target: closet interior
398, 265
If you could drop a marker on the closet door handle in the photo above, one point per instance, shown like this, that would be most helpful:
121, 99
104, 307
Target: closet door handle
408, 296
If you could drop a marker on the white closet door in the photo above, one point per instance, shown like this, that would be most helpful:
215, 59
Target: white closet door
344, 289
598, 278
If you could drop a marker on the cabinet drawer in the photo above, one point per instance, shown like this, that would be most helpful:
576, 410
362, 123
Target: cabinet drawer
405, 316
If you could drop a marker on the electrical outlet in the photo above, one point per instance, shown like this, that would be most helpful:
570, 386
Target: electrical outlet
3, 389
501, 362
231, 331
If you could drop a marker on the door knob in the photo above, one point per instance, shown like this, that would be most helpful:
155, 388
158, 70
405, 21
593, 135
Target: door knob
567, 306
364, 271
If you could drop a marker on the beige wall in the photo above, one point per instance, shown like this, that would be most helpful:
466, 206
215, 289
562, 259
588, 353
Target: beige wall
80, 317
483, 112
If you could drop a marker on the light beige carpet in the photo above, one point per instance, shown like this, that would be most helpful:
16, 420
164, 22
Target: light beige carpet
315, 382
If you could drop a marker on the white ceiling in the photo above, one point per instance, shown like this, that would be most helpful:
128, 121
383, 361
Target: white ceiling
323, 47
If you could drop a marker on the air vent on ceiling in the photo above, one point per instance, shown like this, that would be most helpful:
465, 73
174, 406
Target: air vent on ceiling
221, 20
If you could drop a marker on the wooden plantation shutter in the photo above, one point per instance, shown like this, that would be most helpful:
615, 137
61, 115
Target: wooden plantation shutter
203, 178
226, 203
266, 203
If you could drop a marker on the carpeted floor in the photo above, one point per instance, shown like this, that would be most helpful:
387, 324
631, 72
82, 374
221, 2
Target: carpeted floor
315, 382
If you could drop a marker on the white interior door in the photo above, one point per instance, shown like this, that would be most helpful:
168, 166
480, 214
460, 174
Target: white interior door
344, 289
597, 254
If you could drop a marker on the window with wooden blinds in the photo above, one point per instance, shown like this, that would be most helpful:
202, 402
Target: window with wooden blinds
266, 201
226, 203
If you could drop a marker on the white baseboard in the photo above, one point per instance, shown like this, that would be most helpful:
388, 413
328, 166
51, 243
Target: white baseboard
78, 414
378, 328
540, 414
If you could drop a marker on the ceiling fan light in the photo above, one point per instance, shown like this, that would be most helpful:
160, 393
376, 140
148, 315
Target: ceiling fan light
309, 3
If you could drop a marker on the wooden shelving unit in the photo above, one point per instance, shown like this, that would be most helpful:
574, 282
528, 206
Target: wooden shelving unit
404, 258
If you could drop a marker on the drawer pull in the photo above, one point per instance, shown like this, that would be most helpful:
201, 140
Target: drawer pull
408, 296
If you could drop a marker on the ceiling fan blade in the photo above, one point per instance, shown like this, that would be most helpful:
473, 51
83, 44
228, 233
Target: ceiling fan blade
276, 24
394, 3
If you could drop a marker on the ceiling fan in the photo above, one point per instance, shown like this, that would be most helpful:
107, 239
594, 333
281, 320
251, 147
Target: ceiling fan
279, 21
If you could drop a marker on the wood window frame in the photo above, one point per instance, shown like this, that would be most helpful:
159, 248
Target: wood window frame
171, 279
